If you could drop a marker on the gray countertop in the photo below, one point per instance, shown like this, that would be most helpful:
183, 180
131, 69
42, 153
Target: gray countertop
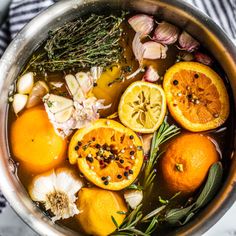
12, 225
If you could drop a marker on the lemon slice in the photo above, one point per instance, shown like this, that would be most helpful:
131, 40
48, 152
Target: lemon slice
142, 107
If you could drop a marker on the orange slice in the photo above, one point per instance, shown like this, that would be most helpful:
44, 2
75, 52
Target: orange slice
108, 154
142, 107
196, 96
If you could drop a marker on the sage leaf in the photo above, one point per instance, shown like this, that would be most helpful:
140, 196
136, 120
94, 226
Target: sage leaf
153, 213
174, 216
211, 186
183, 215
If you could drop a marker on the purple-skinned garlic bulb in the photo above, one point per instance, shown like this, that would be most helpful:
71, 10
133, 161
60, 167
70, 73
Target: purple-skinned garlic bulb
166, 33
187, 42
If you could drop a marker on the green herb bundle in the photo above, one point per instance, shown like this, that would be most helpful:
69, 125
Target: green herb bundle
81, 44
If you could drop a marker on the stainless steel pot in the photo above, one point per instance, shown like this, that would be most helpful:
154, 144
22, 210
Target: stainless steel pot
175, 11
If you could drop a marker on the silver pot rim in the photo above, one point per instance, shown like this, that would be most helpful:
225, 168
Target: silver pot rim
15, 193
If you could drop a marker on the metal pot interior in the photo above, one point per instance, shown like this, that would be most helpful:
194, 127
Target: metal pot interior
30, 38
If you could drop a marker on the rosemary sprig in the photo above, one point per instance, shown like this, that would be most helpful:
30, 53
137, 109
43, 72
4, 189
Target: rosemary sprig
164, 133
132, 222
82, 44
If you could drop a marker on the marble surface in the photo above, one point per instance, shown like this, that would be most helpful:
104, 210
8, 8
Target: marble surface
12, 225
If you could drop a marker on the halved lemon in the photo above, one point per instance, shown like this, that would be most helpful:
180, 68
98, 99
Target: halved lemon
142, 107
196, 96
107, 153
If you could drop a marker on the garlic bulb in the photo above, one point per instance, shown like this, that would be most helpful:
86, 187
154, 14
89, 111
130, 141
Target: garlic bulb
187, 42
151, 75
154, 50
142, 23
39, 89
25, 83
133, 197
57, 191
166, 33
19, 102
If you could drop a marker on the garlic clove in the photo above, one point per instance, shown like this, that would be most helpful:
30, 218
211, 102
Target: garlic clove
25, 83
154, 50
142, 23
57, 103
187, 42
96, 72
147, 140
85, 81
19, 102
64, 115
166, 33
39, 89
203, 58
138, 48
151, 75
133, 197
72, 84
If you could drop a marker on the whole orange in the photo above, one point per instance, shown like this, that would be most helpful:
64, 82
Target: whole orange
186, 162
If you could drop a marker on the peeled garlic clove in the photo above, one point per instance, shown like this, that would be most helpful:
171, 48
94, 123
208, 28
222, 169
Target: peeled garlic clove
166, 33
147, 140
64, 115
38, 91
57, 103
96, 72
142, 23
72, 84
187, 42
138, 48
85, 81
151, 75
25, 83
19, 102
203, 58
133, 197
154, 50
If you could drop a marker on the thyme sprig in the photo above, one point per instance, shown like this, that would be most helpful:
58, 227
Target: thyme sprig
82, 44
164, 133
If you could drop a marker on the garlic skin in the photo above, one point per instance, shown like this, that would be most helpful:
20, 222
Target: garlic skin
57, 191
39, 89
154, 50
25, 83
166, 33
133, 197
187, 42
19, 102
151, 75
147, 140
142, 24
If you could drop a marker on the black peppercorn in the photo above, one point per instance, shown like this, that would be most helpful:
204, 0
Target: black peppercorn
175, 82
131, 153
76, 148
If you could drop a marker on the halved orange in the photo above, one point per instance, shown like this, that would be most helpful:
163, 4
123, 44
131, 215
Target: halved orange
142, 107
108, 154
196, 96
